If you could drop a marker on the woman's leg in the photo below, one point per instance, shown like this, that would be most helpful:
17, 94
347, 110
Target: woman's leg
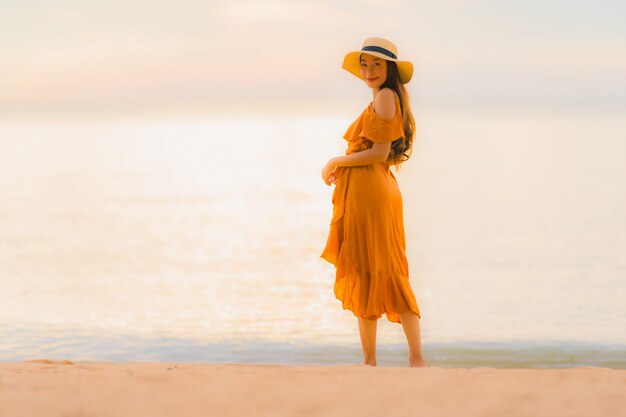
367, 330
411, 325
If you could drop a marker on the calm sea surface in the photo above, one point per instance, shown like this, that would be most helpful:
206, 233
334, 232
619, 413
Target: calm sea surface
199, 240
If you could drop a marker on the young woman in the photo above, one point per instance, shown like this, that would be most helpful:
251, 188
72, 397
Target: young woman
366, 242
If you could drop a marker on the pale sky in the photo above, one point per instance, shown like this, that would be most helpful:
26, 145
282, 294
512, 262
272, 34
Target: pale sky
95, 55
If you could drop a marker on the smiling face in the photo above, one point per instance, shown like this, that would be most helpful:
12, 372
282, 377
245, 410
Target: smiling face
373, 70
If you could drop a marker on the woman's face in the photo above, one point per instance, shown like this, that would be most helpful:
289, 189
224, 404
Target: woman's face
373, 70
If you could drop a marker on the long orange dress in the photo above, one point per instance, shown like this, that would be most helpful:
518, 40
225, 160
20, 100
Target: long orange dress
366, 242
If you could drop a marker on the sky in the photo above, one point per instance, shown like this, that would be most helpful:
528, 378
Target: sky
100, 55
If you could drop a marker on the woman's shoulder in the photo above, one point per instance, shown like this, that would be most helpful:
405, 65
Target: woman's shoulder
384, 104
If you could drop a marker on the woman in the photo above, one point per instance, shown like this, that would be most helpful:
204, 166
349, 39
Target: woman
366, 242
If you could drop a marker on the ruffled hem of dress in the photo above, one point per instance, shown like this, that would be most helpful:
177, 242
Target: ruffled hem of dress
333, 244
347, 289
335, 234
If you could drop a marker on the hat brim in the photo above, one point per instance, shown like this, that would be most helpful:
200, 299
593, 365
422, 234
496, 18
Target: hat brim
352, 64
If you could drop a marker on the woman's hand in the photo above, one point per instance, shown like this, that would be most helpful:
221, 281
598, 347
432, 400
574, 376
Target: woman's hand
328, 173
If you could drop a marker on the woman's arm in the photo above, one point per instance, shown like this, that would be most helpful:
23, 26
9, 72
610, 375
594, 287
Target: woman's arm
384, 106
377, 153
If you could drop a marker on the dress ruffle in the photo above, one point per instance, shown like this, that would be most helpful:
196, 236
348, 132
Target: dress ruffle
370, 295
369, 127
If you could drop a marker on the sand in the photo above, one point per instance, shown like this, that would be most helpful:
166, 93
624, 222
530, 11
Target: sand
109, 389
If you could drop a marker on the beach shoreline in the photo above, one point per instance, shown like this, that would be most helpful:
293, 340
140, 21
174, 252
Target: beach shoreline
45, 387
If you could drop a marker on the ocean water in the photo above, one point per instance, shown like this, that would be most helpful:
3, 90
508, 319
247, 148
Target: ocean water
199, 240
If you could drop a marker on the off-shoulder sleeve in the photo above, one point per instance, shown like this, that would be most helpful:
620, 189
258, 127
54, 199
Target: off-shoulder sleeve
380, 130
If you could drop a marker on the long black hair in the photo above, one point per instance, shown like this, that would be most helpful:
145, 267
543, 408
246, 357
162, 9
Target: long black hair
401, 148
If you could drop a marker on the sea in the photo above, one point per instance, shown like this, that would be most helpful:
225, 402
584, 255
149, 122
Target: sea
198, 239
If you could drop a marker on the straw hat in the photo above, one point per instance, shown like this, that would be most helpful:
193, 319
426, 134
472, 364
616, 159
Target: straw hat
381, 48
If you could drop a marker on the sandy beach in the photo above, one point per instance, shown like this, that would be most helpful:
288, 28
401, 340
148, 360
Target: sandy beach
65, 388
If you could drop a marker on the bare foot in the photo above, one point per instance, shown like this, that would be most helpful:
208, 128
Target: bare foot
417, 362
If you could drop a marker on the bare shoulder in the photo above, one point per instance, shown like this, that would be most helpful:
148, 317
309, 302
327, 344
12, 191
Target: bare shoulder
385, 104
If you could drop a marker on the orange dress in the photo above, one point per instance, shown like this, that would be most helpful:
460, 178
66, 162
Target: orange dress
366, 242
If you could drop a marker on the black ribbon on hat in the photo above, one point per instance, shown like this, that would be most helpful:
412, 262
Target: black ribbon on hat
383, 51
